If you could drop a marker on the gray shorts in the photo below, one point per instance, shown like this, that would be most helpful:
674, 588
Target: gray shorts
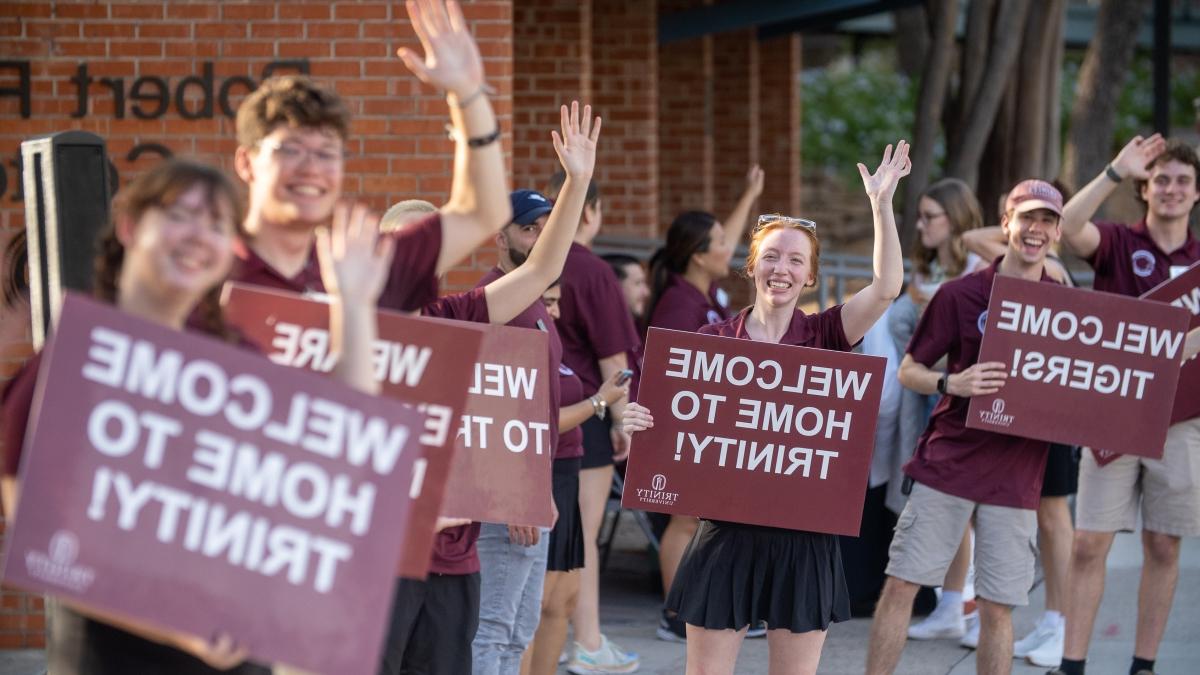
931, 528
1166, 490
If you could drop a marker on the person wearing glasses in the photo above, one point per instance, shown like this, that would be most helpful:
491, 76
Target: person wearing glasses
735, 575
292, 138
684, 296
946, 212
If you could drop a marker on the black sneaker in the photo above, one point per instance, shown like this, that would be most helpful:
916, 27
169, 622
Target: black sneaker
670, 628
758, 630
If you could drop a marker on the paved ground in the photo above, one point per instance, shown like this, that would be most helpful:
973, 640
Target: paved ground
631, 604
629, 614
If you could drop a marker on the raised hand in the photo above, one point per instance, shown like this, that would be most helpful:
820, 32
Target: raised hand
754, 181
1135, 157
881, 185
576, 147
354, 259
451, 60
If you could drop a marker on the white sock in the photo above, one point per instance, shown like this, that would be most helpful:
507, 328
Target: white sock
951, 599
1053, 619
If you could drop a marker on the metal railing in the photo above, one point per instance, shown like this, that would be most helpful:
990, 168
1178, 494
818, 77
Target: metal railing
836, 268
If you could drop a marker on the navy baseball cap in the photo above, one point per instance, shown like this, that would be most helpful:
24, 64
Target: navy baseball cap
528, 206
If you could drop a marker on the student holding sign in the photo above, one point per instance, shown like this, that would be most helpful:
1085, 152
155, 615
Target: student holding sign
684, 296
790, 579
292, 135
962, 474
512, 559
1130, 260
170, 248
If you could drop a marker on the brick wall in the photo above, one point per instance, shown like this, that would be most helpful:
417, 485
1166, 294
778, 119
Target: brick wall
398, 147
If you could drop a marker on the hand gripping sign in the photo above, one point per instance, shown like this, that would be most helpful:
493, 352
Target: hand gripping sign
1084, 367
179, 481
1184, 291
419, 361
753, 432
501, 470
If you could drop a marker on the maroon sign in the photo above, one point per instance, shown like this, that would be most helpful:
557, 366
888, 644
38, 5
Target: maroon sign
417, 360
754, 432
1085, 367
1184, 291
501, 471
185, 483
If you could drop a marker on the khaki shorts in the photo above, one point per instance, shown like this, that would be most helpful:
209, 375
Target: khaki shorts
931, 528
1167, 489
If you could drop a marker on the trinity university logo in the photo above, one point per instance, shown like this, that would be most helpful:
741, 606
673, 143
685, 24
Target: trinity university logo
657, 494
981, 322
1143, 262
996, 416
56, 565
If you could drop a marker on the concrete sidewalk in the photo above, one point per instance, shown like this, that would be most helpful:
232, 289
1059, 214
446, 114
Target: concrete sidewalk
630, 606
629, 613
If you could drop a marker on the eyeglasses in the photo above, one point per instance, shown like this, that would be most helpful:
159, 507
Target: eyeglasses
293, 154
930, 217
768, 218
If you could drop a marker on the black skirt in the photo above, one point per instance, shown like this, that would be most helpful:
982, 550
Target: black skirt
734, 575
566, 539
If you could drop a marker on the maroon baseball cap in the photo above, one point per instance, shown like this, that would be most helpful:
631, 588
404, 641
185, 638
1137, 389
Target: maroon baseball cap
1034, 194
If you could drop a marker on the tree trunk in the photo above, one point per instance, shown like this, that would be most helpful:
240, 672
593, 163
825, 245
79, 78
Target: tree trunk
980, 15
1093, 113
934, 80
981, 109
912, 29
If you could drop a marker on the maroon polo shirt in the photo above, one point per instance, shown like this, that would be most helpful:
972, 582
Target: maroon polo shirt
454, 548
683, 307
822, 330
595, 321
1128, 262
412, 282
982, 466
570, 443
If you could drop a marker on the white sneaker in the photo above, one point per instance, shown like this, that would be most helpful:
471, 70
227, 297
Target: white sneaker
944, 622
970, 638
609, 658
1049, 654
1040, 634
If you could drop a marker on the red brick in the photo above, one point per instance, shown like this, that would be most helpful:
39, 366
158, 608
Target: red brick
178, 10
297, 10
93, 48
312, 49
289, 29
165, 30
238, 48
364, 10
120, 48
245, 12
220, 30
80, 10
136, 11
331, 29
359, 48
26, 9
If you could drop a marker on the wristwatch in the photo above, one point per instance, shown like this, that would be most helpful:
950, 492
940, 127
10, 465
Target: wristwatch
942, 382
599, 406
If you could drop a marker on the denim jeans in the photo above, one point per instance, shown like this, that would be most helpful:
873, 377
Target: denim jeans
510, 604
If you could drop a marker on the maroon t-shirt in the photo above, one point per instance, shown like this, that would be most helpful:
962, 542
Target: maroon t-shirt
454, 548
15, 403
1128, 262
595, 321
411, 284
822, 330
570, 443
683, 307
981, 466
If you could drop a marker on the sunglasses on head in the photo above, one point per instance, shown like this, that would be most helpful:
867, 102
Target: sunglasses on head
768, 218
